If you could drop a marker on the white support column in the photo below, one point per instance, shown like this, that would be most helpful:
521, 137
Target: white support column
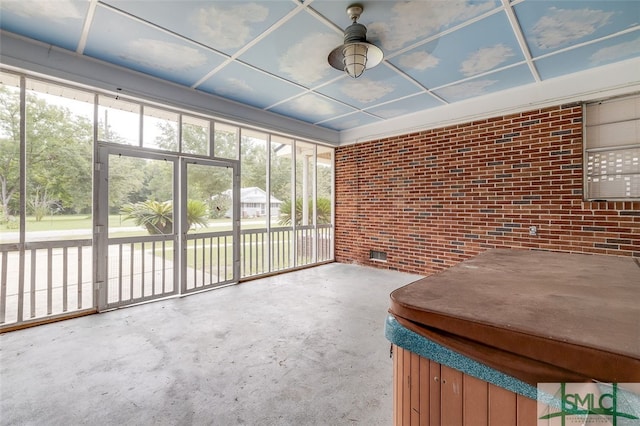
236, 221
180, 239
100, 226
22, 195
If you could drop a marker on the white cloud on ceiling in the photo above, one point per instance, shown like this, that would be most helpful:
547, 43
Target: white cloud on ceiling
312, 105
466, 90
415, 20
419, 60
234, 85
309, 68
365, 90
50, 9
613, 53
485, 59
163, 55
228, 27
563, 26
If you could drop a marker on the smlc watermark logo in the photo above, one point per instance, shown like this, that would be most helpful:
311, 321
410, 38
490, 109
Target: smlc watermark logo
601, 404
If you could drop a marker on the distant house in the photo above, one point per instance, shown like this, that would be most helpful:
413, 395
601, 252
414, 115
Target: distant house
253, 202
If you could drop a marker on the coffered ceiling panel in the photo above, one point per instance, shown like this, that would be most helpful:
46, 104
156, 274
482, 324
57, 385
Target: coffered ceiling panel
272, 55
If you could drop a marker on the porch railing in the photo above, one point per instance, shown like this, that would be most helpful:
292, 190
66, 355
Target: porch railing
312, 245
209, 258
52, 278
140, 269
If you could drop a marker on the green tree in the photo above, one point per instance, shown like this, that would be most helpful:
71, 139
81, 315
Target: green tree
158, 181
324, 181
254, 168
226, 143
9, 150
59, 146
281, 168
281, 176
126, 181
40, 204
204, 182
254, 163
195, 139
219, 206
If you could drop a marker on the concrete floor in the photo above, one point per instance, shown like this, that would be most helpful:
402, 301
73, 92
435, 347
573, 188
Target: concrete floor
303, 348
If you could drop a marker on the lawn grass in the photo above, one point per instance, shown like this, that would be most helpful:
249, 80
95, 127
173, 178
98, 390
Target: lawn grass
252, 259
77, 222
65, 222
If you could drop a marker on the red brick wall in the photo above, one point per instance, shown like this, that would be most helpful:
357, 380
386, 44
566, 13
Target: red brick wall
434, 198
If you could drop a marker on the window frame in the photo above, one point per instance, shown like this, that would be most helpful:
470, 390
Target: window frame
587, 151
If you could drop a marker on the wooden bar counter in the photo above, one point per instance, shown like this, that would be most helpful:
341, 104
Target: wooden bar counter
470, 344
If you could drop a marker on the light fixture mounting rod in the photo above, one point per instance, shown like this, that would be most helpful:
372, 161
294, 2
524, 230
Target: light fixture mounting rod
354, 11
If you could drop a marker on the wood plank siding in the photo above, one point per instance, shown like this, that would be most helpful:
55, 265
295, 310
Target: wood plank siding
430, 394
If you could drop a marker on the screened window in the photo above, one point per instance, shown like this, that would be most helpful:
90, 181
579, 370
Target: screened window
160, 129
325, 184
280, 180
305, 162
226, 141
59, 153
9, 156
195, 135
55, 136
612, 149
118, 121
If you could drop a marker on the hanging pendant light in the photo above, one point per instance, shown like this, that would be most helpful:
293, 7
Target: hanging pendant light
356, 54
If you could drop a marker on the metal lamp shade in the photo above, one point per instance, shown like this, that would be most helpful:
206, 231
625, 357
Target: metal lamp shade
356, 54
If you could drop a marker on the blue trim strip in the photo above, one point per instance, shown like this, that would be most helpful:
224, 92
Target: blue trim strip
407, 339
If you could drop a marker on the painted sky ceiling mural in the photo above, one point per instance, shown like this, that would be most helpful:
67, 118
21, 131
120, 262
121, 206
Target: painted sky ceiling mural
272, 55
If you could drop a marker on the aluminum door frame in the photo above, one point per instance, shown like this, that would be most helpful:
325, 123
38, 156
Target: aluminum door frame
235, 217
101, 222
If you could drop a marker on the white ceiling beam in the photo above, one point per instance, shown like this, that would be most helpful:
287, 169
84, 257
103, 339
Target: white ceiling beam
517, 31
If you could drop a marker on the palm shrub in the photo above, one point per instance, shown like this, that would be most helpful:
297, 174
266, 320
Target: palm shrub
157, 216
323, 206
197, 213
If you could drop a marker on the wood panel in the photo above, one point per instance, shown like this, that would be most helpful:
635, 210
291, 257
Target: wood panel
475, 409
502, 406
426, 393
398, 360
406, 388
526, 411
415, 389
434, 395
451, 396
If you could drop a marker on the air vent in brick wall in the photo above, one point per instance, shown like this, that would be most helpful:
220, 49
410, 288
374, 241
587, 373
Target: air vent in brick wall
378, 255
